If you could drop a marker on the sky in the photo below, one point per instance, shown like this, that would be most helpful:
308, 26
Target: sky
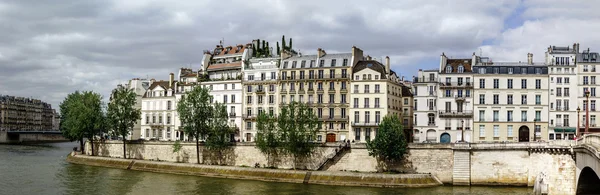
49, 49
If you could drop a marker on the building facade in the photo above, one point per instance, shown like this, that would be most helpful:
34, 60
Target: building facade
563, 88
139, 87
425, 89
587, 62
26, 114
511, 101
259, 93
159, 110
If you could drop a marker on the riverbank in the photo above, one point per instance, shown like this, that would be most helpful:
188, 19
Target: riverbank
275, 175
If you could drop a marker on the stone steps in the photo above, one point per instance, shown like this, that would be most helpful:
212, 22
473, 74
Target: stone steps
461, 173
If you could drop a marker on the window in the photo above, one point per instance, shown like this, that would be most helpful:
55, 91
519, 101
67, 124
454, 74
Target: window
356, 117
377, 117
333, 62
496, 83
331, 98
538, 83
593, 80
538, 115
523, 83
343, 113
510, 83
147, 119
321, 63
524, 99
355, 88
481, 99
355, 102
366, 88
496, 115
249, 88
320, 98
567, 80
448, 69
482, 83
496, 131
331, 73
345, 62
461, 69
523, 116
510, 70
538, 99
448, 93
509, 99
377, 102
249, 99
343, 98
376, 88
468, 94
509, 131
481, 115
367, 117
225, 99
366, 103
357, 134
481, 130
558, 91
320, 112
496, 99
509, 116
344, 73
566, 92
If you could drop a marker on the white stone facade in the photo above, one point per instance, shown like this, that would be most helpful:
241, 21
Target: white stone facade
259, 93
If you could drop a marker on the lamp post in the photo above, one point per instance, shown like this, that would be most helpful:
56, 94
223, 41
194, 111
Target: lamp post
587, 111
534, 129
578, 132
462, 137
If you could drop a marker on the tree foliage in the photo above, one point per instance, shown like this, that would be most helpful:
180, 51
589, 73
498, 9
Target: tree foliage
82, 117
194, 111
218, 135
390, 143
268, 136
299, 126
122, 113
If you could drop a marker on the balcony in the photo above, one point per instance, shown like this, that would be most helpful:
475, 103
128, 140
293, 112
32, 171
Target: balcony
426, 80
232, 114
459, 97
249, 116
430, 124
365, 124
456, 85
283, 90
456, 113
334, 118
260, 91
344, 90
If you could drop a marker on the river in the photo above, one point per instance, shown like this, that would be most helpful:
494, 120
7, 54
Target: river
41, 169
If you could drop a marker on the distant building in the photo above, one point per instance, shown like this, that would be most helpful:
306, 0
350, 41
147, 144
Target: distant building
25, 114
139, 87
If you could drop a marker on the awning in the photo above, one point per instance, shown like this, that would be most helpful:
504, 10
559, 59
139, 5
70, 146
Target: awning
565, 130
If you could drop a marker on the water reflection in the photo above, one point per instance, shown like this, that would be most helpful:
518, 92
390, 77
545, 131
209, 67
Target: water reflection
41, 169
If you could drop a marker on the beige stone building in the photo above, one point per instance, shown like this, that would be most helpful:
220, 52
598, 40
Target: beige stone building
322, 81
25, 114
375, 92
259, 92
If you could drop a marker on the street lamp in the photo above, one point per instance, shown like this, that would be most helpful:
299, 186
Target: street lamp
534, 129
462, 137
587, 111
578, 131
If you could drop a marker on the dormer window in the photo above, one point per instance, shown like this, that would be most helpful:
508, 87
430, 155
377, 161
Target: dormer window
448, 69
461, 69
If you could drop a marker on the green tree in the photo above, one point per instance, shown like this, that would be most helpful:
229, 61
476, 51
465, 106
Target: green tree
194, 111
278, 49
254, 52
69, 121
283, 42
82, 117
389, 144
268, 138
267, 50
218, 135
290, 44
299, 126
122, 113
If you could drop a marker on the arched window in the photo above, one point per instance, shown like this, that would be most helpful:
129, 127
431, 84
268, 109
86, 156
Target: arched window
448, 69
461, 69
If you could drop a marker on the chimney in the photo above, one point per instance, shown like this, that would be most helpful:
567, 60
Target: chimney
321, 52
357, 55
369, 57
530, 58
171, 75
387, 65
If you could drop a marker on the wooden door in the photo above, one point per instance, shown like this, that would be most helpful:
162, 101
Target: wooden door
524, 134
330, 137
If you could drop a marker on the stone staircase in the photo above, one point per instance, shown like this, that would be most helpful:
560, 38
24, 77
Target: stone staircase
339, 153
461, 173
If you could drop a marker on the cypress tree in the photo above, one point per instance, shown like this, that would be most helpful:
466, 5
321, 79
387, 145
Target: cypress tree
263, 52
268, 51
283, 42
290, 44
278, 49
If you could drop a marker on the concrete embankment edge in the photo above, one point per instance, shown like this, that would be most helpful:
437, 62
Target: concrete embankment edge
275, 175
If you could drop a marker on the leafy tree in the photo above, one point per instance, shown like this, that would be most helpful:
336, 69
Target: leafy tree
82, 117
218, 136
298, 125
69, 123
122, 114
268, 138
389, 144
194, 111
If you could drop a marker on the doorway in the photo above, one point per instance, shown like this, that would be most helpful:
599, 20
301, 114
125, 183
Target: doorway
445, 138
524, 134
330, 137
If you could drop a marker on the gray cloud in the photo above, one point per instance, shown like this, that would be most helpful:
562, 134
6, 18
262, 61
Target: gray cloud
51, 48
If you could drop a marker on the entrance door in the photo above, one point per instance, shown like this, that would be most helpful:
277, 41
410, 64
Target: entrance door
330, 137
445, 138
524, 134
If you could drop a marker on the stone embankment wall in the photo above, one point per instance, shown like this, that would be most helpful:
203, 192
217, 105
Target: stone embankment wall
487, 164
30, 138
279, 175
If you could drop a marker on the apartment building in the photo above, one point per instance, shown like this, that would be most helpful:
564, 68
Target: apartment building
587, 64
222, 73
425, 116
25, 114
511, 101
455, 100
322, 82
139, 87
563, 82
376, 91
260, 83
159, 111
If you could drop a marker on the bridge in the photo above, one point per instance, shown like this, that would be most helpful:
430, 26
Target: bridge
30, 136
587, 160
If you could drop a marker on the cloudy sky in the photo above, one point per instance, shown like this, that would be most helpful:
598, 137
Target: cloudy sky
51, 48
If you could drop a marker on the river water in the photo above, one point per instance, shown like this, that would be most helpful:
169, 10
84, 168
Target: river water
41, 169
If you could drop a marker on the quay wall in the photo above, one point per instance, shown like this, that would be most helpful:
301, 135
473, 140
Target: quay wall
6, 138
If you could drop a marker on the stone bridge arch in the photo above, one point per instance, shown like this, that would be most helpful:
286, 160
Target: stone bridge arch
587, 159
588, 182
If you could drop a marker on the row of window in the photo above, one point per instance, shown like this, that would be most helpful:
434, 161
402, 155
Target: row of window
311, 74
367, 118
509, 70
158, 105
329, 125
509, 116
301, 99
312, 63
301, 86
509, 83
509, 99
160, 119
